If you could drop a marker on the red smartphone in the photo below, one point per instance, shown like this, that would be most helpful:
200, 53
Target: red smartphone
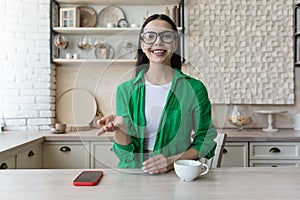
88, 178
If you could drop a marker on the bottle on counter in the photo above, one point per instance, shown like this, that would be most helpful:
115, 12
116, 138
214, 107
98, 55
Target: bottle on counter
146, 16
167, 11
175, 15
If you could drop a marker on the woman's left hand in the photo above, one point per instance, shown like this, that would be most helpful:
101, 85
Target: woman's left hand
157, 164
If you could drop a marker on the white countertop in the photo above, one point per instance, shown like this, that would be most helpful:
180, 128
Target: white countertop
222, 183
12, 139
15, 139
258, 135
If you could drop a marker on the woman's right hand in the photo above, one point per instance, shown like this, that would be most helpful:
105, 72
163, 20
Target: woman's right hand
116, 124
110, 123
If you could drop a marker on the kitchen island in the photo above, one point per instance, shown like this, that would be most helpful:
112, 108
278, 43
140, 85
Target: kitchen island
222, 183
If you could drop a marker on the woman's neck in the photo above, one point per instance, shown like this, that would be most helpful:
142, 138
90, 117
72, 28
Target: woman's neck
159, 74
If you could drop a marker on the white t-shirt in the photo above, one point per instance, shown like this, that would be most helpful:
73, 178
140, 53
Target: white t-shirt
155, 99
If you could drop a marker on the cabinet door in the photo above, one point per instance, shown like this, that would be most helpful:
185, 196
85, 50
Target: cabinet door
30, 158
274, 150
102, 156
8, 162
274, 163
66, 155
235, 154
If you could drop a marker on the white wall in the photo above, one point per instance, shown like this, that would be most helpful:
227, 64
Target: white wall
26, 93
27, 80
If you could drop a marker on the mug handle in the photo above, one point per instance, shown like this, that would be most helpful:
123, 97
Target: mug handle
206, 170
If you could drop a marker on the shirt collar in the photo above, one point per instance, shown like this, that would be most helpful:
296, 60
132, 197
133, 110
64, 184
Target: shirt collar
177, 75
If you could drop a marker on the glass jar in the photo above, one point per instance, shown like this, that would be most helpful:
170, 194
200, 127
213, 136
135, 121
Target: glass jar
239, 116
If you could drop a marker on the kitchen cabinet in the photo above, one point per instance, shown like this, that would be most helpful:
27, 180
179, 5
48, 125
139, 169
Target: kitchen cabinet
26, 156
235, 154
72, 155
30, 157
261, 154
8, 162
274, 154
66, 155
102, 155
134, 12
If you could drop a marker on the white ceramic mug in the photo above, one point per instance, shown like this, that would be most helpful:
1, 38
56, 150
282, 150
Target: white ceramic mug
134, 25
68, 56
297, 122
188, 170
75, 56
110, 25
60, 127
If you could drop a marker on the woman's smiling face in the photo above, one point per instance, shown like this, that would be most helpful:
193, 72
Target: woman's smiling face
159, 51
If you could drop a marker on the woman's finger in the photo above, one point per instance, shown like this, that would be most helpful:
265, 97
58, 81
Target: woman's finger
100, 131
106, 128
105, 120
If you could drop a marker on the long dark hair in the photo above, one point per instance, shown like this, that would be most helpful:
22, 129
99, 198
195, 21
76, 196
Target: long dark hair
142, 60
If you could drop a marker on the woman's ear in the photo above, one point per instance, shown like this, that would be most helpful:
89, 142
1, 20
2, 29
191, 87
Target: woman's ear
175, 45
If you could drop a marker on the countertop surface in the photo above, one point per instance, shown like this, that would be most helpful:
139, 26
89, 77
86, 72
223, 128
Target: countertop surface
12, 139
221, 183
9, 140
258, 135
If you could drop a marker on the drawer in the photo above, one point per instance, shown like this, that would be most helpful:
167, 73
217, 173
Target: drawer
66, 155
274, 163
270, 150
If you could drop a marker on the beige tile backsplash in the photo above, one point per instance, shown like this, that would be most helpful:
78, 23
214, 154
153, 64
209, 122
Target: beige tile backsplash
102, 82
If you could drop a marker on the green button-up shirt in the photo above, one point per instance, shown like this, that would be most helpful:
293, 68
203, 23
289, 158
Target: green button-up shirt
184, 123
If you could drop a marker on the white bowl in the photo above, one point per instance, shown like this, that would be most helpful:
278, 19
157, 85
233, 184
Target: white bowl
188, 170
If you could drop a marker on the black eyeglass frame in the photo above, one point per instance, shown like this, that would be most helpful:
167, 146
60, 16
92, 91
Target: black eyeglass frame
159, 34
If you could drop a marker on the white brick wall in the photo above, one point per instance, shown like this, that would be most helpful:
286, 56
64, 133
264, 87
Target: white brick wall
27, 86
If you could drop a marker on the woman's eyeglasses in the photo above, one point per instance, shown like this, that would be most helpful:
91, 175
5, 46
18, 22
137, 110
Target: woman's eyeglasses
166, 36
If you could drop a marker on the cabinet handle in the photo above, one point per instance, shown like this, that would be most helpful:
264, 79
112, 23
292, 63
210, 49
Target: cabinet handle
274, 150
30, 154
225, 150
274, 166
65, 149
3, 166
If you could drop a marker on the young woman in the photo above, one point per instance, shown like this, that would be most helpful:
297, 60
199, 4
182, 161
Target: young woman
159, 109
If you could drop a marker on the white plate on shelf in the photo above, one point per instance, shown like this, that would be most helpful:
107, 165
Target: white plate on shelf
110, 14
76, 107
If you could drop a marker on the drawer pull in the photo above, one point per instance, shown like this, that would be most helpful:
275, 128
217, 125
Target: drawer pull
274, 166
225, 150
30, 154
65, 149
3, 166
274, 150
